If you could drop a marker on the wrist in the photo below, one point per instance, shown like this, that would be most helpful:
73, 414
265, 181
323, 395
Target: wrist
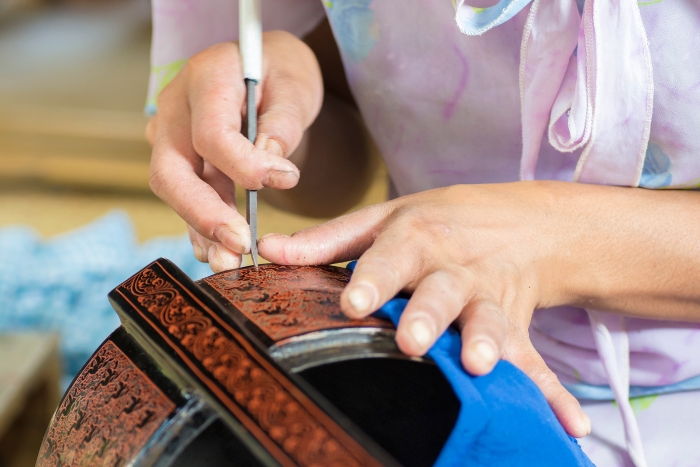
567, 266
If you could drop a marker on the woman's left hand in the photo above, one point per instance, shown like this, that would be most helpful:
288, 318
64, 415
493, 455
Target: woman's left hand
482, 256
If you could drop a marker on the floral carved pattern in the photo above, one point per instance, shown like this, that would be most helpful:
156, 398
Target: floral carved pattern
285, 301
110, 411
282, 418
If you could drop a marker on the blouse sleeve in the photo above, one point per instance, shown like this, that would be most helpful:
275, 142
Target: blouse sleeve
182, 28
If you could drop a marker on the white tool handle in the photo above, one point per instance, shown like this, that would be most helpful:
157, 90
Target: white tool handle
250, 29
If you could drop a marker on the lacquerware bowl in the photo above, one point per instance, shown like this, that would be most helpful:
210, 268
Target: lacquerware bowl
252, 367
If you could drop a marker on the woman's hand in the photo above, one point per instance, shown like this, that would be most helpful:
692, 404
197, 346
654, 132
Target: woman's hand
199, 152
486, 256
483, 256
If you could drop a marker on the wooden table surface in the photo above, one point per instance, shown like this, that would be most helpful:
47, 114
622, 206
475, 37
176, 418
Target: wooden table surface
29, 392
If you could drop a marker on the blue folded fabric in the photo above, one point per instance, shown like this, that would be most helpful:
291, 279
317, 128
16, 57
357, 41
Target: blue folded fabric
61, 284
504, 419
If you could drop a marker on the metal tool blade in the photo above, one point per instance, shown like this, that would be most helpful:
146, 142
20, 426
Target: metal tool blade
251, 196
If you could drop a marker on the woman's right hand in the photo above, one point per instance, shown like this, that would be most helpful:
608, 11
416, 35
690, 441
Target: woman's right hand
199, 153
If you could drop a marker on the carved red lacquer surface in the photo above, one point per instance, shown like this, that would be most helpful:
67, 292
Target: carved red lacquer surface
108, 414
285, 301
283, 419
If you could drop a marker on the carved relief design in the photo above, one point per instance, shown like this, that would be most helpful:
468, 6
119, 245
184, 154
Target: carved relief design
284, 420
285, 301
109, 413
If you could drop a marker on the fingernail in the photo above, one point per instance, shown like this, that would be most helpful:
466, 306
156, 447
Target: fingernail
421, 332
280, 179
222, 260
486, 351
229, 259
270, 235
232, 240
587, 423
361, 298
199, 253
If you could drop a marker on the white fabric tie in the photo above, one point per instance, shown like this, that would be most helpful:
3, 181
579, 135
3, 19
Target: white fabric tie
612, 343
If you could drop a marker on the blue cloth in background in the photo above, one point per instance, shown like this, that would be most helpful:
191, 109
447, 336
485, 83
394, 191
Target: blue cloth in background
61, 284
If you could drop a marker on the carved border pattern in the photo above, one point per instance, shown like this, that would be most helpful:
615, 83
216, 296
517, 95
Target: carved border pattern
290, 426
110, 411
285, 301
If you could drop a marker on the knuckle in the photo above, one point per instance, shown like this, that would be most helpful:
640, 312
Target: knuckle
169, 92
204, 58
390, 268
158, 182
199, 143
456, 277
205, 227
207, 133
422, 221
408, 215
500, 319
541, 377
550, 385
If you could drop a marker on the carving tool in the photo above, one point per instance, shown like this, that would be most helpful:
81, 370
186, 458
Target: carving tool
250, 28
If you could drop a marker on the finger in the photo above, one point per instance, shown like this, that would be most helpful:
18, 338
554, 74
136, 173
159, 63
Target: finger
223, 185
437, 301
222, 259
174, 181
565, 406
342, 239
484, 331
175, 178
292, 93
394, 260
215, 97
200, 245
151, 129
218, 256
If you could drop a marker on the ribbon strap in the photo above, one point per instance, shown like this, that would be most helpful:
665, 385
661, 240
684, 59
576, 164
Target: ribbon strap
613, 346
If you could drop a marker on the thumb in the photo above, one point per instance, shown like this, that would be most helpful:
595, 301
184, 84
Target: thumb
291, 94
338, 240
282, 118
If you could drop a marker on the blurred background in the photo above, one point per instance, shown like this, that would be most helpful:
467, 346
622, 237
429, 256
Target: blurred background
76, 214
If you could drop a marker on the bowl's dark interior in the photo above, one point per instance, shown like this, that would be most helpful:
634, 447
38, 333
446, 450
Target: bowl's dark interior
407, 407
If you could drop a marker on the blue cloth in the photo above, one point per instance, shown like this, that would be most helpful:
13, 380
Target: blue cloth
504, 419
61, 284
